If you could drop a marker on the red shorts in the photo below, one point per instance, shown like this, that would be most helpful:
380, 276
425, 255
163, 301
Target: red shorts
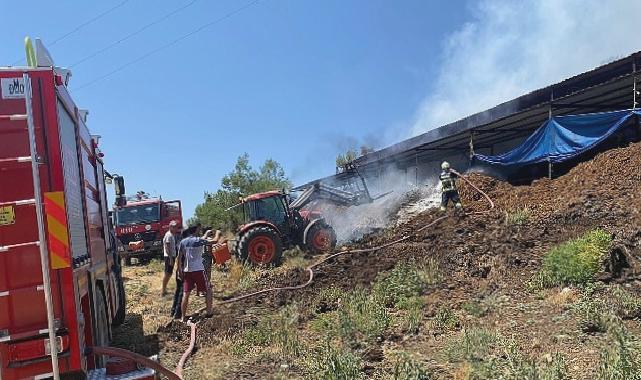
195, 280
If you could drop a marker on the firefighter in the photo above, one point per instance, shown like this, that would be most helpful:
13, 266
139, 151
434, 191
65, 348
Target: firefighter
448, 186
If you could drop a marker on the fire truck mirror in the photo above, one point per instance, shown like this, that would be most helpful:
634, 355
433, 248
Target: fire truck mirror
119, 186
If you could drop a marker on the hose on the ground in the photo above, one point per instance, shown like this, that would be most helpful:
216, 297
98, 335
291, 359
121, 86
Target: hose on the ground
140, 359
310, 269
190, 349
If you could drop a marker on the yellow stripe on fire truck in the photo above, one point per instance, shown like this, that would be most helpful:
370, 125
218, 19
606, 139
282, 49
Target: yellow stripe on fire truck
57, 230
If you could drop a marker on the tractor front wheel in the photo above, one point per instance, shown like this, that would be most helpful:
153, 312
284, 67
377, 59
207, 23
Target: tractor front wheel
260, 246
321, 238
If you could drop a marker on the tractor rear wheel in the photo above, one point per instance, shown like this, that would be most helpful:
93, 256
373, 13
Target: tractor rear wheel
260, 246
321, 238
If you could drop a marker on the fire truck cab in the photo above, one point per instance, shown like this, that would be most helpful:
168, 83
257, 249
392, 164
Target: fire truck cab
59, 275
141, 226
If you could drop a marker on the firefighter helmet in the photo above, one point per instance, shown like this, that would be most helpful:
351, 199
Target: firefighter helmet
445, 165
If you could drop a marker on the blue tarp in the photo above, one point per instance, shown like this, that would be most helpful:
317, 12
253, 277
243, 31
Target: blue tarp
562, 138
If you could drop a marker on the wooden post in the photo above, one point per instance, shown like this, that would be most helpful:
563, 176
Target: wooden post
416, 171
471, 147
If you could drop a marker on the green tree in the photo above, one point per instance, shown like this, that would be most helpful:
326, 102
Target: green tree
240, 182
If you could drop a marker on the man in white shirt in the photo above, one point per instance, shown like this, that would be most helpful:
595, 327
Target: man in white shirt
192, 270
170, 249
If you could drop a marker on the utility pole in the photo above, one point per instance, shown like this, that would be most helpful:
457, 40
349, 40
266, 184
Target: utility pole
552, 142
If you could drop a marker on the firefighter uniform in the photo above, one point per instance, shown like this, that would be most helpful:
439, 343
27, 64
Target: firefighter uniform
448, 187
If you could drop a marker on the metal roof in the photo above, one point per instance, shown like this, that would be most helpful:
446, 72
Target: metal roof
605, 88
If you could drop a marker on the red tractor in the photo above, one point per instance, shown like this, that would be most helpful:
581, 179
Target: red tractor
271, 223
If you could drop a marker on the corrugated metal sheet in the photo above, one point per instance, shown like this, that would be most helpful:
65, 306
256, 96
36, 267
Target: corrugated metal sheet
73, 192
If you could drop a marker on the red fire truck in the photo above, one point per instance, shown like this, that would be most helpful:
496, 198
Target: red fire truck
141, 225
59, 278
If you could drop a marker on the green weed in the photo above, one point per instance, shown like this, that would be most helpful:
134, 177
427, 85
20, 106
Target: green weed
575, 262
626, 304
328, 299
404, 281
472, 345
329, 363
406, 368
278, 331
519, 217
444, 320
622, 360
362, 317
476, 308
413, 317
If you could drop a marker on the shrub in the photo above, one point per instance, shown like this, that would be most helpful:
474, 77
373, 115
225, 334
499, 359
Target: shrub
406, 368
519, 217
575, 262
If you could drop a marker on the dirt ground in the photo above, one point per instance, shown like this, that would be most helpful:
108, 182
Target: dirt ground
485, 265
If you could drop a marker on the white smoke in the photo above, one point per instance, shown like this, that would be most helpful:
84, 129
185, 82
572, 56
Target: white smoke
404, 200
513, 47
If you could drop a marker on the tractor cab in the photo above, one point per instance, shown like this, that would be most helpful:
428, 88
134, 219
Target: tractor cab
269, 206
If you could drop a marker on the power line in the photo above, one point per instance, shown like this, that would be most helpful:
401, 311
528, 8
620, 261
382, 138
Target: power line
130, 35
77, 28
167, 45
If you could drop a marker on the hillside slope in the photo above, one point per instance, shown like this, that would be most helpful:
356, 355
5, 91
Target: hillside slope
476, 291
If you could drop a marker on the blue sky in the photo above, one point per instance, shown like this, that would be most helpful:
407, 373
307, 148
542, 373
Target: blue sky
293, 80
299, 80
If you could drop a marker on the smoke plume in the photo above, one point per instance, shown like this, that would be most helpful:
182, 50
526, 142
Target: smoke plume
510, 48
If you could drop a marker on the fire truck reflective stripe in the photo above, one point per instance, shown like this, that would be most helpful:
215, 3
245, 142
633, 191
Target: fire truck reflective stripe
43, 376
57, 229
5, 338
40, 288
43, 331
56, 211
4, 294
58, 252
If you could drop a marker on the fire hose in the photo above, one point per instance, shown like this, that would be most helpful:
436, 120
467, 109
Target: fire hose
140, 359
310, 269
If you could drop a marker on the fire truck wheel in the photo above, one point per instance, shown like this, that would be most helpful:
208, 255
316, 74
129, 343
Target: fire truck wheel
101, 337
260, 246
321, 238
119, 318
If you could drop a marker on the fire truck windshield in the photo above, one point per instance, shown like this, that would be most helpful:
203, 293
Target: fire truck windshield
131, 215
